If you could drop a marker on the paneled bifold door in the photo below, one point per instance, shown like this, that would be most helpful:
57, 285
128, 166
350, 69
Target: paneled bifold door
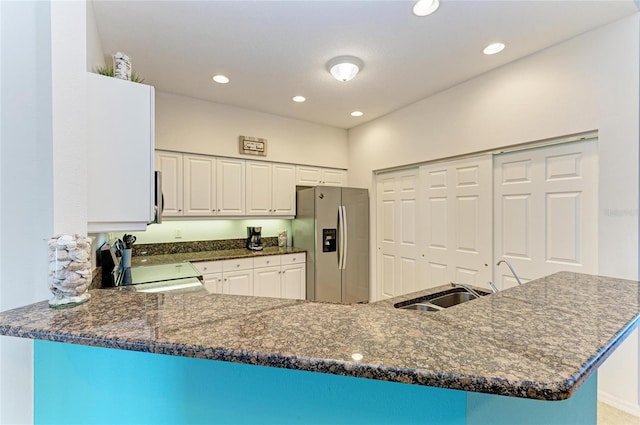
536, 208
397, 249
455, 222
546, 211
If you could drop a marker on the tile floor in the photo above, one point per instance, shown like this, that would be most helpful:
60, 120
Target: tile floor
608, 415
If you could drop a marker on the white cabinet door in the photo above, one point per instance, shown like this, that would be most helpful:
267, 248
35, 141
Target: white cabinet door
283, 199
199, 185
293, 281
230, 187
308, 176
213, 283
170, 165
238, 283
333, 177
546, 211
266, 282
314, 176
259, 184
120, 139
456, 227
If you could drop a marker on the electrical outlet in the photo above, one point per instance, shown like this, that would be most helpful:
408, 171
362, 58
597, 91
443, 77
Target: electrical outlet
178, 233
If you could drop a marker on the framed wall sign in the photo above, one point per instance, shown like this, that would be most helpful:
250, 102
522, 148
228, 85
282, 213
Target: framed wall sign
253, 146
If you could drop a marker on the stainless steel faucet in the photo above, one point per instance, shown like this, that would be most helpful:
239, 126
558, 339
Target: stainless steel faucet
466, 287
510, 268
493, 287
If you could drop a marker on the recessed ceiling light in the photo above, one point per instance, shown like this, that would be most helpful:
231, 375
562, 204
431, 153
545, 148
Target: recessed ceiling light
425, 7
357, 114
298, 99
222, 79
493, 48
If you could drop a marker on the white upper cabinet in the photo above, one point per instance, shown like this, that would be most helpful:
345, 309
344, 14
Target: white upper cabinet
170, 165
283, 193
230, 187
258, 188
316, 176
120, 124
271, 189
333, 177
207, 186
199, 185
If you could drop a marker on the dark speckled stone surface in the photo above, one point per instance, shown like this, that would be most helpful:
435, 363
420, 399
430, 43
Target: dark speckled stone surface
226, 254
541, 340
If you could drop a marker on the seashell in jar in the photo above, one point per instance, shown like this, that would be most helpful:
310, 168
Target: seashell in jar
81, 289
77, 266
80, 255
83, 244
71, 276
75, 283
84, 273
59, 254
58, 265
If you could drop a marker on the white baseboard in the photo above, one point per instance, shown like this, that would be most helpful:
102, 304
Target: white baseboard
625, 406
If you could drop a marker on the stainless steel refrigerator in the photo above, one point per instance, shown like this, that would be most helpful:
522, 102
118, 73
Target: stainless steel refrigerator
332, 225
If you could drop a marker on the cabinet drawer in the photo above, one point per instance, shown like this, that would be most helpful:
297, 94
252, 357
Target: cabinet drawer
237, 264
292, 258
266, 261
207, 267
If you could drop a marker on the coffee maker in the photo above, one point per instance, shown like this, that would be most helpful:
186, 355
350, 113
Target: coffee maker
254, 238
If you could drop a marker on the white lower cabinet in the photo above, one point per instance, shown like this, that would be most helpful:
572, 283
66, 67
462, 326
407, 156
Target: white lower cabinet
278, 276
292, 281
211, 274
267, 282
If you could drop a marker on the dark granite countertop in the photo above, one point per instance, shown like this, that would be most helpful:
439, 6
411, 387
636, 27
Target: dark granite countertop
541, 340
224, 254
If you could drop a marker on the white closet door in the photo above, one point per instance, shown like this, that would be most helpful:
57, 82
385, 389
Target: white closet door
397, 248
456, 221
546, 211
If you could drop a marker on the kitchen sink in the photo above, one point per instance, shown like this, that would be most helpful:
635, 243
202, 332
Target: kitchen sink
438, 301
449, 300
421, 307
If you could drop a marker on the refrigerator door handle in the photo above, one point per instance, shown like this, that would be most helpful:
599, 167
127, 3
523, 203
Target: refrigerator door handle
345, 236
340, 237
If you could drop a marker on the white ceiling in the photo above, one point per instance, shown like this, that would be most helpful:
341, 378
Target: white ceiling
273, 50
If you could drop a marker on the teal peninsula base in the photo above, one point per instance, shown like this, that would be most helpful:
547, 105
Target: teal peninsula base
88, 385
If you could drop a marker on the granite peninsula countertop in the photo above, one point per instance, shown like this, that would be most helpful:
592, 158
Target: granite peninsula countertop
223, 254
541, 340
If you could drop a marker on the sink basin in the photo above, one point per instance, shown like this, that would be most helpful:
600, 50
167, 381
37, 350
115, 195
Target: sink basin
449, 300
421, 307
439, 301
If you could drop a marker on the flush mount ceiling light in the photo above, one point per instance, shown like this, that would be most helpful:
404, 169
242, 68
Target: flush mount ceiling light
357, 113
344, 68
298, 99
425, 7
493, 48
222, 79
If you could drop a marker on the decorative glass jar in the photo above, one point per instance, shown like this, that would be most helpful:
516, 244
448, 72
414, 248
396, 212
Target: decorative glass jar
69, 270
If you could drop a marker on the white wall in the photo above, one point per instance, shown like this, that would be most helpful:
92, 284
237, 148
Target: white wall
589, 82
26, 195
42, 166
95, 54
196, 126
